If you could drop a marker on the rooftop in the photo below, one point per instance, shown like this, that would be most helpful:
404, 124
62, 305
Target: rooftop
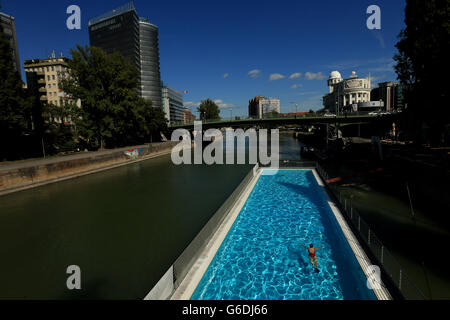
115, 12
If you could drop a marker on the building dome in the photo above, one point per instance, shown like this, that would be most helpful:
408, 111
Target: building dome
335, 75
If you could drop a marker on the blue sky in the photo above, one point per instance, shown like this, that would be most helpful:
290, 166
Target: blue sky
210, 47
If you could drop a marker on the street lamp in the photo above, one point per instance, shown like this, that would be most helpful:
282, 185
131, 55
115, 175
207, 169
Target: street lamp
296, 109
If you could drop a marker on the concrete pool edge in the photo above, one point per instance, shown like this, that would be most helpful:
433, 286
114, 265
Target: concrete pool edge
188, 285
363, 260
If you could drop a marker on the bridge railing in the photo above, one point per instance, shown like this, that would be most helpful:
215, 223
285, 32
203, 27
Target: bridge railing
278, 117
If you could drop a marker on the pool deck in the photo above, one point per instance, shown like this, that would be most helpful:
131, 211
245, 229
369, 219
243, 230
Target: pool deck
195, 274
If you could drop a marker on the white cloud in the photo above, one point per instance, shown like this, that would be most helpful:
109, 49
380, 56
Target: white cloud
191, 104
254, 73
295, 86
295, 75
221, 104
379, 36
226, 75
275, 76
314, 76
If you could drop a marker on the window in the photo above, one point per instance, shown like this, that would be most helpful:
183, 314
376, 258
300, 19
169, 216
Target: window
48, 78
48, 69
53, 69
53, 77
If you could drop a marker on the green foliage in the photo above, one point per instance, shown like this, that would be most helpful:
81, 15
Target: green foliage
15, 107
208, 110
111, 113
272, 114
422, 65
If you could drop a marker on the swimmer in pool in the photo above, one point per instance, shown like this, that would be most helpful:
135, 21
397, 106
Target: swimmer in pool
312, 255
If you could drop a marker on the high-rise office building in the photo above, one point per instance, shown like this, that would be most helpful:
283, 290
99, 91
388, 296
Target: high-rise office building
173, 105
9, 32
149, 55
136, 39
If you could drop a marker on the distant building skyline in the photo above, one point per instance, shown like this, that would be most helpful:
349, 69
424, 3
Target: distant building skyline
231, 64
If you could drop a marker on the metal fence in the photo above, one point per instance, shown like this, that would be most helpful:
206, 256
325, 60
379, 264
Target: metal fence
384, 258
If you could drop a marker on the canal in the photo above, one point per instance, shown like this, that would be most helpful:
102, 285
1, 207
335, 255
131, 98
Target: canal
123, 227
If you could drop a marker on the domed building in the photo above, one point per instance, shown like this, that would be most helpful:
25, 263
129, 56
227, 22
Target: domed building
345, 94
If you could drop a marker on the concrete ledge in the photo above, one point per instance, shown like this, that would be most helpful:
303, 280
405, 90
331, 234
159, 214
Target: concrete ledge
21, 176
163, 289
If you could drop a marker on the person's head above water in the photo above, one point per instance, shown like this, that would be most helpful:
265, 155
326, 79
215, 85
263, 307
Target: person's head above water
311, 245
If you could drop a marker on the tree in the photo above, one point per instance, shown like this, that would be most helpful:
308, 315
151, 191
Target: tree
272, 114
422, 66
15, 107
111, 113
208, 110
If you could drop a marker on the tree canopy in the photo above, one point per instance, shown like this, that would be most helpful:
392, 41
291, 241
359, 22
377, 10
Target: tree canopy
208, 110
112, 113
15, 107
422, 65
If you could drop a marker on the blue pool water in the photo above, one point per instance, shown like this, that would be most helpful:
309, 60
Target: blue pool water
261, 258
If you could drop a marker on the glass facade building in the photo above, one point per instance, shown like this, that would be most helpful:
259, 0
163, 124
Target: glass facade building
173, 105
136, 39
149, 55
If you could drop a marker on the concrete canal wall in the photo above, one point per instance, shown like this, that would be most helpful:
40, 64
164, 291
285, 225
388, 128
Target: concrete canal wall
24, 175
174, 276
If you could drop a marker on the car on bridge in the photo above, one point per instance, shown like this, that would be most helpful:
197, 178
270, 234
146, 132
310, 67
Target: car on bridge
329, 115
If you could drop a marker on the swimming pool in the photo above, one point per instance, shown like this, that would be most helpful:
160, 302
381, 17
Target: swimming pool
261, 257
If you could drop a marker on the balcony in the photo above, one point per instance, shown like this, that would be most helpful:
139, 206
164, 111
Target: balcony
41, 81
43, 90
43, 98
